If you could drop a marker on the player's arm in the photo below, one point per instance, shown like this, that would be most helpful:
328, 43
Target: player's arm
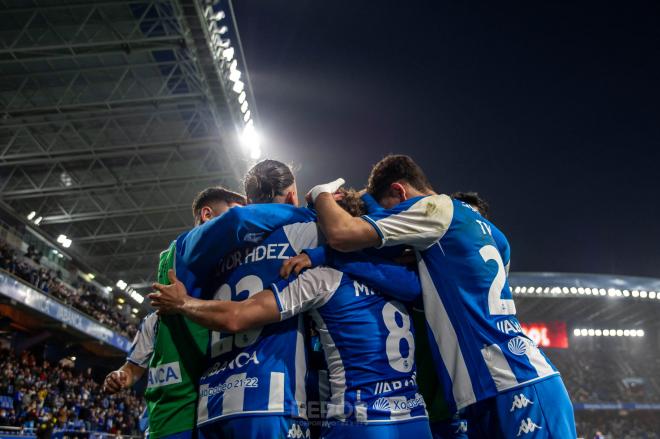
124, 377
217, 315
387, 277
418, 223
137, 360
200, 248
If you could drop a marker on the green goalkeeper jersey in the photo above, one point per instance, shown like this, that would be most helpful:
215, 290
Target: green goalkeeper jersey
175, 367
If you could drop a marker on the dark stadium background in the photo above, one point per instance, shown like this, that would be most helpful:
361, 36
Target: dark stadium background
109, 126
549, 109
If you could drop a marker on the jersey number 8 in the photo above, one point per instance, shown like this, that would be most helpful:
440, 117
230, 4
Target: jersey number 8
396, 333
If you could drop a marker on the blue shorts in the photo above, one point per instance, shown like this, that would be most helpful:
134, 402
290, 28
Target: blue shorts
541, 410
455, 428
256, 427
416, 429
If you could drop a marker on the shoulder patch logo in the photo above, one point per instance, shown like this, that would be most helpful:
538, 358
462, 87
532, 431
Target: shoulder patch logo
254, 238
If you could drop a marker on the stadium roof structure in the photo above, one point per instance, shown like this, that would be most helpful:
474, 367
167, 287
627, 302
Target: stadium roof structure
599, 299
113, 115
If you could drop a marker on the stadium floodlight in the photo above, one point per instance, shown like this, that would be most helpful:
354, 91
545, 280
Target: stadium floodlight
581, 291
139, 298
38, 220
576, 332
238, 87
108, 289
121, 284
73, 358
619, 332
234, 75
241, 97
255, 153
135, 310
120, 306
223, 30
244, 107
642, 294
640, 333
584, 332
651, 294
606, 332
635, 293
121, 300
626, 293
246, 116
61, 238
591, 332
598, 332
573, 290
31, 215
228, 53
626, 333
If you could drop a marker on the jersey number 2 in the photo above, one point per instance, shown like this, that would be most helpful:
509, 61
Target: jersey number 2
221, 342
496, 305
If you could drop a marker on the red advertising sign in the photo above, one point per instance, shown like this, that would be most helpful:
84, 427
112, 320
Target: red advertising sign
547, 334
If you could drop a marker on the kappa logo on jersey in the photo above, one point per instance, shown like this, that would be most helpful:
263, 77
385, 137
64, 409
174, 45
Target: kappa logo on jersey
527, 426
164, 375
520, 401
518, 346
255, 237
296, 432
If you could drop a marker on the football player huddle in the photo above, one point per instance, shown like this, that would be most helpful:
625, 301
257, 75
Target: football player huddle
381, 313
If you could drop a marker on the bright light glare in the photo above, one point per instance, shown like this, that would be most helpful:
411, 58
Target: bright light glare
228, 53
121, 284
31, 215
238, 86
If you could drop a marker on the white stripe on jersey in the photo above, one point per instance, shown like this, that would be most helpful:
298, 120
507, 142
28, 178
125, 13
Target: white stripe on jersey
232, 399
499, 367
446, 340
419, 226
312, 289
336, 369
301, 370
142, 347
203, 403
276, 392
302, 235
538, 361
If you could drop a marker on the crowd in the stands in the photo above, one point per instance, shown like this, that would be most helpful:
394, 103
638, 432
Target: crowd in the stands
617, 425
81, 295
34, 393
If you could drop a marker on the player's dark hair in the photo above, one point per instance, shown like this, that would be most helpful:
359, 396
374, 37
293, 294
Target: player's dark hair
266, 180
396, 168
351, 202
474, 200
213, 195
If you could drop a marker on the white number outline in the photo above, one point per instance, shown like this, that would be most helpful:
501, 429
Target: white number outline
496, 305
395, 334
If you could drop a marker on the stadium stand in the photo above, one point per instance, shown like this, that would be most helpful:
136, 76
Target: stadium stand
81, 295
34, 391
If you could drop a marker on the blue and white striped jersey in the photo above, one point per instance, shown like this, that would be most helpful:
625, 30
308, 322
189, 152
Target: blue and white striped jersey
368, 344
142, 347
260, 371
476, 340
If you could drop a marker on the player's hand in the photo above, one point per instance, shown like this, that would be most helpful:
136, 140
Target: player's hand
330, 188
169, 299
295, 264
115, 381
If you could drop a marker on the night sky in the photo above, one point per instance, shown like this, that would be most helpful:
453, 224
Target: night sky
550, 110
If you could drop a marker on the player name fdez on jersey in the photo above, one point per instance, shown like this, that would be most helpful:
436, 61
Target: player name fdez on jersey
255, 254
